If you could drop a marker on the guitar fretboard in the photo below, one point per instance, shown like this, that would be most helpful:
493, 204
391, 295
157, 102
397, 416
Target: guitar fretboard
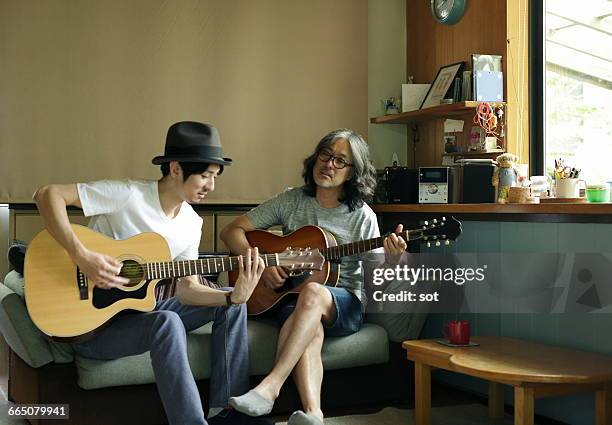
352, 248
173, 269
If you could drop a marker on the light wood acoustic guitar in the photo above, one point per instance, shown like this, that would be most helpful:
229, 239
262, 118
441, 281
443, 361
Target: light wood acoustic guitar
313, 238
65, 306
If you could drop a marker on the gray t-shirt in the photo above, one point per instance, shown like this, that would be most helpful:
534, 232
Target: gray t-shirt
293, 209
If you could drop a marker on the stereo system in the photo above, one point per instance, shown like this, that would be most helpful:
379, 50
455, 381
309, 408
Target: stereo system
438, 185
402, 185
470, 183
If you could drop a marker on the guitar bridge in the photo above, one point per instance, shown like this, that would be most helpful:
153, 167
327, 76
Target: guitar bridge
82, 284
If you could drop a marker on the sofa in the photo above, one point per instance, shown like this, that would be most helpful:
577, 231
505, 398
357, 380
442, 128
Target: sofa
368, 367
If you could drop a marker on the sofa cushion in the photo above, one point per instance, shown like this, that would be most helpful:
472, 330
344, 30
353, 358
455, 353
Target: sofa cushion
60, 352
19, 331
399, 326
14, 281
368, 346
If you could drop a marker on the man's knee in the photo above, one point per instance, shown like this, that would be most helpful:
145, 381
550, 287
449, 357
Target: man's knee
312, 296
168, 322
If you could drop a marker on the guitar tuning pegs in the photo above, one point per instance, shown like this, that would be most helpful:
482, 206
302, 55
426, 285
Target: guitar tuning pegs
435, 221
428, 244
437, 243
426, 223
447, 242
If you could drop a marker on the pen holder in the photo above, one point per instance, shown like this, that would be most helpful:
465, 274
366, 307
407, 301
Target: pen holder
568, 188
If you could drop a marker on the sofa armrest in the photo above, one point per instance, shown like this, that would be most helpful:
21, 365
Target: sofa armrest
20, 333
60, 352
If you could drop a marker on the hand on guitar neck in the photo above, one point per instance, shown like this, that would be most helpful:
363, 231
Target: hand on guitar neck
394, 246
251, 267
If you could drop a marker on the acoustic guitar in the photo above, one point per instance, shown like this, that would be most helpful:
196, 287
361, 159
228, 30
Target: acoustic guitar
313, 238
65, 306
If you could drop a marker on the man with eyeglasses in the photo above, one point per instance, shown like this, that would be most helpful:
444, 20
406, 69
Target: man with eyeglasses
339, 178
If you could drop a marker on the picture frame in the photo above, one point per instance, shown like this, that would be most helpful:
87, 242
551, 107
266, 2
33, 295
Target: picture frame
442, 83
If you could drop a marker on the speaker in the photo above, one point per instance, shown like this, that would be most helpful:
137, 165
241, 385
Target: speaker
402, 185
477, 184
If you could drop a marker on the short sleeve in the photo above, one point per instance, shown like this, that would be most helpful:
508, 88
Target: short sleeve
103, 196
370, 230
192, 252
271, 212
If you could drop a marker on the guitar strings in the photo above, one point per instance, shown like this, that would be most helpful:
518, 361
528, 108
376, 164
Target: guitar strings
141, 267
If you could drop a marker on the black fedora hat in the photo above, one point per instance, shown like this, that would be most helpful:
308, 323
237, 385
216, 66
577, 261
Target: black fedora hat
190, 141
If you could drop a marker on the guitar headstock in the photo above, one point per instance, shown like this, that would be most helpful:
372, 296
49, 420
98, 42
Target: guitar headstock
301, 259
437, 231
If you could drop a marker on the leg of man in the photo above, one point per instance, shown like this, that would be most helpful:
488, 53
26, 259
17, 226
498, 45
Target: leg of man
308, 375
230, 350
308, 372
163, 334
314, 304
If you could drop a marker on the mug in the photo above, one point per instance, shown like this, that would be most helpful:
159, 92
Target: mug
457, 332
540, 185
568, 188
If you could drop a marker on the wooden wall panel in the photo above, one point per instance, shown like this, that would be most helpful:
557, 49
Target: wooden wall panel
431, 45
517, 81
24, 226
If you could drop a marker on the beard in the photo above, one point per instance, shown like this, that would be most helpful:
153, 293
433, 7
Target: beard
326, 183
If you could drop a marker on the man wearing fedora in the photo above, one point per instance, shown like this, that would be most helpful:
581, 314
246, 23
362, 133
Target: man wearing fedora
121, 209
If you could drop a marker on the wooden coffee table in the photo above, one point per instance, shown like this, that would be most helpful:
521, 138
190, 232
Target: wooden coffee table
534, 370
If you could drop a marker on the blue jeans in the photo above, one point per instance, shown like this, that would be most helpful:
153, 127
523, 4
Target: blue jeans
163, 332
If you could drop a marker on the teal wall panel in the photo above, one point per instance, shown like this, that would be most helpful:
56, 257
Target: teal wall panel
589, 332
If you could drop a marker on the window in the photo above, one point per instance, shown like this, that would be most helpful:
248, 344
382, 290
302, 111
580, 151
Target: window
577, 86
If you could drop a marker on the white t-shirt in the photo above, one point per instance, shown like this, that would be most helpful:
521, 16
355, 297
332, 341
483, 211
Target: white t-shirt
124, 208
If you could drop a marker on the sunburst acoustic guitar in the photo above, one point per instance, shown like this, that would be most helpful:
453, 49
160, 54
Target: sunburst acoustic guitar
314, 238
65, 306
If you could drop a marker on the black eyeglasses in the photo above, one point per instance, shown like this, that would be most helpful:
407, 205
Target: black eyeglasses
337, 162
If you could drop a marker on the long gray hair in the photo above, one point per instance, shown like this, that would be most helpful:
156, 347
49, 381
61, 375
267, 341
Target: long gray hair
360, 187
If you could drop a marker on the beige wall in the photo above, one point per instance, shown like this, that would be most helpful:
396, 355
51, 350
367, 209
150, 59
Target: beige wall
90, 88
386, 73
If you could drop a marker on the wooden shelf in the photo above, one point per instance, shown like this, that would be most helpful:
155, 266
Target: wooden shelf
475, 153
435, 112
580, 208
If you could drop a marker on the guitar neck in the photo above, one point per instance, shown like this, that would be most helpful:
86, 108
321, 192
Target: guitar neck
174, 269
359, 247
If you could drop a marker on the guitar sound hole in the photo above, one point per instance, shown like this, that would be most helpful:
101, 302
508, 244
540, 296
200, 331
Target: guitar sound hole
133, 271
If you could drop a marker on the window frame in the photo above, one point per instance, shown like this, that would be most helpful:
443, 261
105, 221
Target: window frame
537, 94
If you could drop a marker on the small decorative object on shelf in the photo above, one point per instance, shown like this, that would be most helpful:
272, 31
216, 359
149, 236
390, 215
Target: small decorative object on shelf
450, 143
490, 118
442, 84
391, 105
505, 176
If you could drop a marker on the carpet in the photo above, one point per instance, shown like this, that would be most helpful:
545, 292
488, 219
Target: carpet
470, 414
